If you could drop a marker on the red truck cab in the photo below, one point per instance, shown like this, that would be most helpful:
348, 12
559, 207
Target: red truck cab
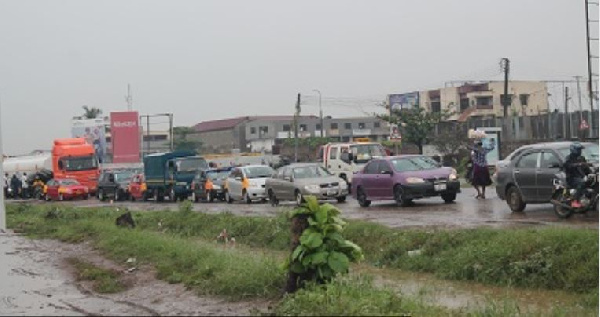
76, 159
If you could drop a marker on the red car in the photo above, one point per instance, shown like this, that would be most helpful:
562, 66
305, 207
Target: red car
137, 188
63, 188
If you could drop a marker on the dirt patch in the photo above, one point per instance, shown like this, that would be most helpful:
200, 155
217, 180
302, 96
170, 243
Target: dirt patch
49, 285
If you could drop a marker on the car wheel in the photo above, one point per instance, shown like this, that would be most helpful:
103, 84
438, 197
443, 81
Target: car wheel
449, 197
228, 198
341, 199
514, 199
194, 197
247, 198
399, 197
299, 198
273, 199
361, 196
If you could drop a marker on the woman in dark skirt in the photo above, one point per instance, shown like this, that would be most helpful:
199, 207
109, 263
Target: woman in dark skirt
481, 174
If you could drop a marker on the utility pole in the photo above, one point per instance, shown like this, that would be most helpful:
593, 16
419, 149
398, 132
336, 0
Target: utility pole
505, 99
592, 94
296, 114
579, 95
2, 208
567, 120
320, 112
171, 130
129, 98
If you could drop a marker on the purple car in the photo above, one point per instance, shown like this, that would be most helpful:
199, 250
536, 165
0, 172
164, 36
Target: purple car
404, 178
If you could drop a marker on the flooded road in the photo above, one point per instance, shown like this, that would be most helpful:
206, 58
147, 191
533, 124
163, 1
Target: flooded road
466, 212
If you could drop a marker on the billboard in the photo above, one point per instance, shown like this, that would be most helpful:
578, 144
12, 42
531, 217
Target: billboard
125, 136
403, 101
94, 132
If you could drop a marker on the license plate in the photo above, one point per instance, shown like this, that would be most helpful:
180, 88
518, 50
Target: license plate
439, 187
331, 192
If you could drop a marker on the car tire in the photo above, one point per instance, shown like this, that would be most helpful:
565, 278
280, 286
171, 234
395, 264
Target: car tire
273, 199
361, 197
228, 198
247, 198
515, 199
341, 199
299, 198
449, 197
401, 201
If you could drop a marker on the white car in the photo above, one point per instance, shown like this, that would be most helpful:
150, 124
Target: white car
247, 183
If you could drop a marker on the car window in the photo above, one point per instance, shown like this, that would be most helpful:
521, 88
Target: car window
528, 160
414, 163
333, 153
383, 166
311, 171
372, 167
549, 159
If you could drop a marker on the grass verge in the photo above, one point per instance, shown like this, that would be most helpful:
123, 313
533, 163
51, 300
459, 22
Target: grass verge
104, 281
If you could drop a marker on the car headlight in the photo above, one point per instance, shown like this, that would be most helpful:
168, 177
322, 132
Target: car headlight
253, 184
452, 177
216, 187
312, 188
415, 180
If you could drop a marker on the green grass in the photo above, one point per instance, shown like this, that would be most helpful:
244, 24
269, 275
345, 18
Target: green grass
183, 251
104, 281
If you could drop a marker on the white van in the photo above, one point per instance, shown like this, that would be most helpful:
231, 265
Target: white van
343, 159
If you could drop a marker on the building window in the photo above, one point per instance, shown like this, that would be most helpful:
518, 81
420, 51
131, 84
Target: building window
377, 125
362, 125
318, 127
348, 125
464, 104
252, 130
524, 99
263, 130
509, 101
303, 127
484, 102
286, 128
334, 126
436, 106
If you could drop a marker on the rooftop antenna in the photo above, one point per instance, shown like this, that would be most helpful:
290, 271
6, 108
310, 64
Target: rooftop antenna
129, 98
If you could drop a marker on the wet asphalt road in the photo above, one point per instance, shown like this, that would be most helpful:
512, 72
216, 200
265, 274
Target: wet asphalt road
466, 212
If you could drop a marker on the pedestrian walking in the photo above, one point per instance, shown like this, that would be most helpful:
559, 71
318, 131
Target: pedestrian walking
25, 186
481, 174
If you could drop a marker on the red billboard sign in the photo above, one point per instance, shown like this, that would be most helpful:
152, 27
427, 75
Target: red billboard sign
125, 136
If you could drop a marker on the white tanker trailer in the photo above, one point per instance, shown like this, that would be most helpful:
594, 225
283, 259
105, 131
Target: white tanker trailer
27, 163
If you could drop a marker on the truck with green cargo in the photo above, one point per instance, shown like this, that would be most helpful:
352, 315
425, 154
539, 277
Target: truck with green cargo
171, 174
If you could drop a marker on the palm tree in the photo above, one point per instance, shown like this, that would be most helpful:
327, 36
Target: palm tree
91, 113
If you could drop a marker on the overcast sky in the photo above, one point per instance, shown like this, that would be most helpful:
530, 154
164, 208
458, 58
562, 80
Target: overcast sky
206, 60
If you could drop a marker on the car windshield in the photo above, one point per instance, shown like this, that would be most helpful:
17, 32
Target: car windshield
416, 163
68, 182
217, 175
365, 152
81, 163
590, 152
258, 171
191, 164
310, 172
123, 176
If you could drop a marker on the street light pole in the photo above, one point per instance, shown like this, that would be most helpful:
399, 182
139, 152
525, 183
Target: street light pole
2, 209
320, 111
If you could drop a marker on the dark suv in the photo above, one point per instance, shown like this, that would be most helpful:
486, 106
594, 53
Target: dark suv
527, 175
214, 179
113, 184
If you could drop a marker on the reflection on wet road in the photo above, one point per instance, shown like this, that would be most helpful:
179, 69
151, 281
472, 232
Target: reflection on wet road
466, 212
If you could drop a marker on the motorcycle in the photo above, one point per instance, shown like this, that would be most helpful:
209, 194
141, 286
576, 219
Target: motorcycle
562, 197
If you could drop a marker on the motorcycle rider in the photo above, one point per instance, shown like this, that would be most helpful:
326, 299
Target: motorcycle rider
576, 169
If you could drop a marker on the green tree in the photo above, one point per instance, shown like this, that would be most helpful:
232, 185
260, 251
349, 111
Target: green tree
91, 112
416, 124
181, 141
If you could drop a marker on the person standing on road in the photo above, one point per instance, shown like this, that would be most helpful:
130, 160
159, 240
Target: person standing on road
481, 174
25, 186
15, 184
5, 185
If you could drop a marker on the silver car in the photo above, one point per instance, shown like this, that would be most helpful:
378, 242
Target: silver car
294, 182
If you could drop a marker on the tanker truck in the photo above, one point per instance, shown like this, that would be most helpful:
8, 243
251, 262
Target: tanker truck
29, 164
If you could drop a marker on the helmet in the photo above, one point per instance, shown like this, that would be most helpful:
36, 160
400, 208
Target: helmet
576, 148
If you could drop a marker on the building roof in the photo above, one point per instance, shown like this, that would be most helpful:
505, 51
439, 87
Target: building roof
224, 124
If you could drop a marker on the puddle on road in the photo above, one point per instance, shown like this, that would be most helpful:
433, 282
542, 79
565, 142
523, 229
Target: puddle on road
462, 295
